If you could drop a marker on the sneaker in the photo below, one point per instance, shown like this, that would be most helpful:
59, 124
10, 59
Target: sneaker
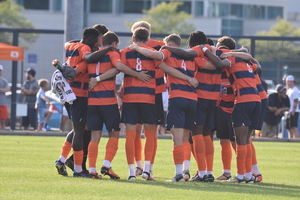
257, 178
210, 178
177, 178
224, 176
46, 128
249, 180
234, 180
147, 176
132, 178
95, 175
80, 174
197, 178
61, 168
138, 171
109, 172
70, 163
186, 175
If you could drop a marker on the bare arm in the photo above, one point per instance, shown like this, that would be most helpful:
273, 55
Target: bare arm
142, 75
94, 57
216, 60
147, 52
189, 53
241, 55
108, 74
3, 90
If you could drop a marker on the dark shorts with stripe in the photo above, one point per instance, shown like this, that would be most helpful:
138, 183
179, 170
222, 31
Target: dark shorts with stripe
77, 111
246, 114
264, 106
292, 120
159, 109
205, 114
103, 114
181, 113
224, 125
134, 113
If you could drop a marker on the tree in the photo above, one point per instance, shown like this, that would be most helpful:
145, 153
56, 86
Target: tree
165, 18
10, 17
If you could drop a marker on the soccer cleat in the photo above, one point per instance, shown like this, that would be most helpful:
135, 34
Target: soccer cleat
147, 176
109, 172
138, 171
70, 163
186, 175
81, 174
257, 178
95, 175
224, 176
46, 128
249, 180
177, 178
61, 168
234, 180
210, 178
197, 178
132, 178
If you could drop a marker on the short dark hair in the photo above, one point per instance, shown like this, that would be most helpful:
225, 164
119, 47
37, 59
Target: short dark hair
210, 42
173, 38
109, 38
141, 34
101, 28
227, 41
197, 38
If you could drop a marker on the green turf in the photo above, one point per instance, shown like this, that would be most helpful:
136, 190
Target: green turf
27, 172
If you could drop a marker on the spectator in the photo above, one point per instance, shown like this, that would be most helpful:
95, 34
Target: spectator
29, 89
293, 115
44, 113
278, 103
3, 107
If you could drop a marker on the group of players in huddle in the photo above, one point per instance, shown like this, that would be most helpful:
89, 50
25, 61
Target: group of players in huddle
211, 88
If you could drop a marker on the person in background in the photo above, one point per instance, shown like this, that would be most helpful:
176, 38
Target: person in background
293, 115
44, 114
3, 107
29, 89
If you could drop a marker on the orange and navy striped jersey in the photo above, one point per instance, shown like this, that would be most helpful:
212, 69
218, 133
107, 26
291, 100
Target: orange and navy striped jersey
135, 90
75, 53
104, 93
241, 76
179, 87
159, 74
209, 80
261, 90
227, 94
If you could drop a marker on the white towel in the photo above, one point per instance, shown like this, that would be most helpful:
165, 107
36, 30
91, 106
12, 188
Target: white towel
62, 88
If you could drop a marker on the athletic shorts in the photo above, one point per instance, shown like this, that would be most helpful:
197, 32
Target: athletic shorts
77, 111
159, 109
205, 114
133, 113
264, 106
42, 115
181, 113
3, 112
224, 125
292, 120
105, 114
30, 119
246, 114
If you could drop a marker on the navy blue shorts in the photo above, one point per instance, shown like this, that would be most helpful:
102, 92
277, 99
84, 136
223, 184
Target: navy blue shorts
224, 125
205, 115
78, 110
181, 113
292, 120
104, 114
159, 109
264, 106
246, 114
134, 113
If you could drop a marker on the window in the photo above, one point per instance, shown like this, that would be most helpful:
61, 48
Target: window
57, 5
236, 10
199, 8
103, 6
213, 9
274, 12
223, 10
134, 6
35, 4
255, 12
232, 27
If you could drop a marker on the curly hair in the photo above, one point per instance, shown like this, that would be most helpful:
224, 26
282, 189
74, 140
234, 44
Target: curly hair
227, 41
197, 38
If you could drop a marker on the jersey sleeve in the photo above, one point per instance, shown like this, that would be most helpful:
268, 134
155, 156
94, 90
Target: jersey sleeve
115, 57
82, 66
85, 49
201, 62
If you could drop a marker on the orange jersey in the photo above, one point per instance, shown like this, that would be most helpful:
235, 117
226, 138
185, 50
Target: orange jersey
179, 87
262, 93
135, 90
209, 80
227, 94
159, 74
104, 93
75, 53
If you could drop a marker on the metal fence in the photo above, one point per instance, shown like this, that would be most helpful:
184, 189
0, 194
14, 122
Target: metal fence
277, 55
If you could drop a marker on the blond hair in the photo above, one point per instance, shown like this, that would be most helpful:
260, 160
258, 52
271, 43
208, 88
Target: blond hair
143, 24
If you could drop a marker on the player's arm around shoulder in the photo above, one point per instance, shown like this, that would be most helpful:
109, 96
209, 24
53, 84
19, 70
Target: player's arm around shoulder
147, 52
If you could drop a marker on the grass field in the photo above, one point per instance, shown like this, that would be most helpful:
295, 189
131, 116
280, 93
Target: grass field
27, 172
